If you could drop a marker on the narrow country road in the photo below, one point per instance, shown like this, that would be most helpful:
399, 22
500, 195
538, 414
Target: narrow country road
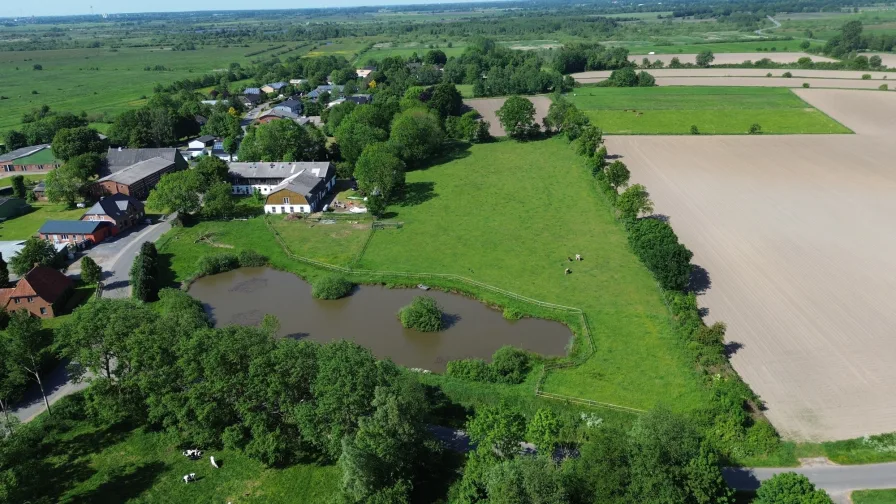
777, 25
115, 257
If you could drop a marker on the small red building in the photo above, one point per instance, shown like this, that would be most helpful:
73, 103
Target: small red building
76, 232
41, 291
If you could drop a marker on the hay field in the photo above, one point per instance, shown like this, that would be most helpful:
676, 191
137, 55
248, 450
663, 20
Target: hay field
731, 58
487, 107
795, 233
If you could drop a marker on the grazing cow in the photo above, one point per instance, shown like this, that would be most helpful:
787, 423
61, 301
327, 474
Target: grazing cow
567, 271
190, 477
578, 257
214, 464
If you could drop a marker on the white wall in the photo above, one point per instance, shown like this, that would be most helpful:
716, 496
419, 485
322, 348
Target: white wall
276, 209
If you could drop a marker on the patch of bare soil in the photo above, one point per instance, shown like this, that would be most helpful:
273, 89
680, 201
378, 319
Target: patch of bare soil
744, 72
487, 108
796, 235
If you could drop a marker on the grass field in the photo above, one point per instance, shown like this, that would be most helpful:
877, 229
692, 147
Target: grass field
874, 497
348, 48
496, 216
22, 227
714, 110
29, 179
405, 50
721, 47
99, 80
338, 243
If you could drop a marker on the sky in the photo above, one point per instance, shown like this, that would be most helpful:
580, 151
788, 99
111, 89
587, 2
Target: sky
18, 8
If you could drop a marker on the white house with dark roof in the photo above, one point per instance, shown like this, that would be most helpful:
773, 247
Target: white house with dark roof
265, 176
303, 192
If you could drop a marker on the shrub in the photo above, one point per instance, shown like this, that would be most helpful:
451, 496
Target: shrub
761, 439
252, 259
331, 287
787, 74
470, 369
883, 87
655, 243
510, 365
768, 74
866, 76
755, 129
423, 314
512, 314
694, 130
805, 84
217, 263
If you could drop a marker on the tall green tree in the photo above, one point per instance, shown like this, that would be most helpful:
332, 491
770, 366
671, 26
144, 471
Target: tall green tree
416, 136
18, 186
705, 58
144, 274
790, 488
84, 166
589, 141
526, 480
217, 202
499, 428
63, 185
353, 136
517, 117
177, 191
601, 473
71, 142
544, 431
634, 202
617, 174
27, 346
35, 251
446, 100
211, 169
379, 171
91, 273
656, 244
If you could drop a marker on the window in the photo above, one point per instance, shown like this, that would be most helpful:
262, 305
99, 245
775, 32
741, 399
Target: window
282, 209
18, 300
292, 210
43, 311
285, 201
30, 299
64, 237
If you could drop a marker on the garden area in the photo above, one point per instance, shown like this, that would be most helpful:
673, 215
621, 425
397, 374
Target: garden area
24, 226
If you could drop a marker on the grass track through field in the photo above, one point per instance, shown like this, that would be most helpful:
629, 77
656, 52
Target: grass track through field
714, 110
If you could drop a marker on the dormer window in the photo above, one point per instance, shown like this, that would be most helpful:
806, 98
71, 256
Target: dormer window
285, 201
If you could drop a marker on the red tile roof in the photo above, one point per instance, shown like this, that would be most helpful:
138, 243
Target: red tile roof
42, 281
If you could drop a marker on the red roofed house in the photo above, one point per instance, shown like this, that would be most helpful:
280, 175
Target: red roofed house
41, 291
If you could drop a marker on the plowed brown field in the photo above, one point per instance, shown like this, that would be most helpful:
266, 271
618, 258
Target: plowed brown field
487, 107
797, 236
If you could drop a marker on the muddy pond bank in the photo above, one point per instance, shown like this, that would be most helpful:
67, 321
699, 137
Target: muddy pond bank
368, 317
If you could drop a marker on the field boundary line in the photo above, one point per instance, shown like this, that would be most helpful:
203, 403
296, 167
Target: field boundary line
586, 328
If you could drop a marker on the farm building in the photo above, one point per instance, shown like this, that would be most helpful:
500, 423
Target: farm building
12, 207
41, 291
303, 192
121, 210
263, 176
40, 191
35, 158
76, 232
119, 159
135, 180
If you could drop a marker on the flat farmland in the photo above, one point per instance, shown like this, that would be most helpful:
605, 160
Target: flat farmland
723, 110
762, 46
794, 232
487, 108
598, 75
731, 58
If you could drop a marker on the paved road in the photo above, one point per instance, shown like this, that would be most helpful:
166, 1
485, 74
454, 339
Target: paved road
838, 481
115, 257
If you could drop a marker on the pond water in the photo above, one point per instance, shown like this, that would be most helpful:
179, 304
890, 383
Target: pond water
369, 317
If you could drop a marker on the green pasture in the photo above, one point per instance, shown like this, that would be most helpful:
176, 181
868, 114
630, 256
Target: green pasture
406, 50
24, 226
348, 48
510, 214
29, 179
874, 497
100, 80
714, 110
721, 47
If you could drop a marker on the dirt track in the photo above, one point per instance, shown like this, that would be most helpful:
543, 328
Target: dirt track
795, 233
730, 58
488, 106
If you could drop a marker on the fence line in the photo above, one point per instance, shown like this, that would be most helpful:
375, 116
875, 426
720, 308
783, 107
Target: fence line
586, 329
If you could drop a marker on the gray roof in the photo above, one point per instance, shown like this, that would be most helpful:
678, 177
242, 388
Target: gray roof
305, 184
40, 187
320, 89
114, 206
119, 159
138, 171
204, 139
292, 103
252, 90
283, 114
24, 151
282, 170
278, 85
70, 226
313, 120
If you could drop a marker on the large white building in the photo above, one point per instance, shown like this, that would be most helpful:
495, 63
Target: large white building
264, 176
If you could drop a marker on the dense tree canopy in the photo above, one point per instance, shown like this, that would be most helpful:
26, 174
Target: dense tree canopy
517, 116
71, 142
416, 136
379, 171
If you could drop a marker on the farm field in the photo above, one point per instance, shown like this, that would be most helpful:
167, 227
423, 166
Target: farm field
405, 50
731, 58
774, 82
724, 110
598, 75
799, 269
488, 107
99, 80
509, 214
717, 48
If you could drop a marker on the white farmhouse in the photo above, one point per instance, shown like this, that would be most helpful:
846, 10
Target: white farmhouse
264, 176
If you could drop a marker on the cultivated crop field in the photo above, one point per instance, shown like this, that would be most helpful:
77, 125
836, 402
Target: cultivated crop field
730, 58
794, 234
488, 107
724, 110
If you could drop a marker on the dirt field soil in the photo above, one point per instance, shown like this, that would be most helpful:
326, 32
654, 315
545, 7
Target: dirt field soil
730, 58
488, 106
795, 233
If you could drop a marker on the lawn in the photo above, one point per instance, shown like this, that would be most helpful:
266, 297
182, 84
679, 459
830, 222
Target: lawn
378, 53
29, 179
24, 226
509, 214
115, 464
874, 497
714, 110
101, 79
338, 243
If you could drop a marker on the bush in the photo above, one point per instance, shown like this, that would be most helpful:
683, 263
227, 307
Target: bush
512, 314
866, 76
805, 84
213, 264
755, 129
883, 87
423, 314
252, 259
470, 369
510, 365
655, 243
787, 74
331, 287
694, 130
768, 74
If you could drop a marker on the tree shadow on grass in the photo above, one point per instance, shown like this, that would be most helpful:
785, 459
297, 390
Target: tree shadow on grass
124, 484
166, 274
452, 150
417, 193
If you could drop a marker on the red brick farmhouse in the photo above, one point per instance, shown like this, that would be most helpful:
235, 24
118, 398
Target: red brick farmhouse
42, 291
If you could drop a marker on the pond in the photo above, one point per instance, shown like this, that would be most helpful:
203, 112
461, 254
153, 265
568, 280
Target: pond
369, 317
